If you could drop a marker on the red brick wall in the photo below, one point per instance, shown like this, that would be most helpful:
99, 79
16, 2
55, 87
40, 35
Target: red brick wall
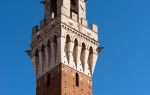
63, 82
69, 83
55, 83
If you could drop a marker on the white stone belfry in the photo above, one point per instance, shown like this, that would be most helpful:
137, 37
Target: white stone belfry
64, 38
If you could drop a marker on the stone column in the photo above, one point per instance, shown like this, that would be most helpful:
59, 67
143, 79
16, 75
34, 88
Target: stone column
75, 52
86, 63
52, 55
34, 63
40, 63
47, 59
63, 53
58, 57
79, 64
70, 54
94, 62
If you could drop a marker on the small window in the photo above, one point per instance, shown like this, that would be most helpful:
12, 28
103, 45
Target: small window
77, 79
74, 8
48, 80
73, 2
53, 7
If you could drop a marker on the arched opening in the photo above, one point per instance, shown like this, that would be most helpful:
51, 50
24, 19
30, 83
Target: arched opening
90, 58
73, 2
77, 80
74, 10
49, 52
43, 57
36, 60
53, 7
67, 46
82, 56
75, 51
55, 48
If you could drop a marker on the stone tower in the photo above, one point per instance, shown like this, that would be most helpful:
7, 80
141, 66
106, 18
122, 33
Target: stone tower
64, 49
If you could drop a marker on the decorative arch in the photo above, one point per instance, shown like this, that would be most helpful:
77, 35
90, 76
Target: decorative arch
68, 39
69, 35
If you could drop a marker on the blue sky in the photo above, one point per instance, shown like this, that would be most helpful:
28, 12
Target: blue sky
123, 68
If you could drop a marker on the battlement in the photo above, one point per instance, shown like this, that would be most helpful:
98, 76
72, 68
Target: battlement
93, 27
82, 27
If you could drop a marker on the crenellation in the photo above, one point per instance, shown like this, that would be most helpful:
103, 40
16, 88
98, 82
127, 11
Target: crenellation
45, 35
79, 34
42, 23
94, 28
84, 22
79, 27
58, 29
34, 29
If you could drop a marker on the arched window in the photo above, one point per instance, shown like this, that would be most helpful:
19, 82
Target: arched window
48, 80
67, 46
77, 80
75, 51
74, 10
53, 7
73, 2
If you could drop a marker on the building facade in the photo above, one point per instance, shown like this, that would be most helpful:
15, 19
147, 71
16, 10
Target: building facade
64, 49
